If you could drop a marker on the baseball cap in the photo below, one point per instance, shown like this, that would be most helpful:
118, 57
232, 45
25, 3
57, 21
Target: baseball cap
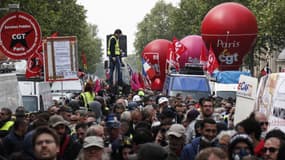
112, 122
137, 98
56, 120
176, 130
93, 141
162, 100
140, 93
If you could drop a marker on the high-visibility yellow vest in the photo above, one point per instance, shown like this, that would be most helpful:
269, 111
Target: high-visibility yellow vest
7, 126
87, 98
117, 47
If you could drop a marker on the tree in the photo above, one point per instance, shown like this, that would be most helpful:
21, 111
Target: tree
155, 25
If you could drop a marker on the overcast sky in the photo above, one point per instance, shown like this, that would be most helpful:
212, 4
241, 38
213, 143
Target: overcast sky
109, 15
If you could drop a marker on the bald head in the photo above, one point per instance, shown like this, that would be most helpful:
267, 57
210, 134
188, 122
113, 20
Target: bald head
262, 120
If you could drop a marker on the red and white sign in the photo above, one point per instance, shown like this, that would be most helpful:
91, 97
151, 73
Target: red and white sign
20, 35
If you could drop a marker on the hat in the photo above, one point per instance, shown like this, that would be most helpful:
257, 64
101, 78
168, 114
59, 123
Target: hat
56, 120
140, 93
112, 121
132, 105
240, 138
137, 98
93, 141
162, 100
176, 130
152, 151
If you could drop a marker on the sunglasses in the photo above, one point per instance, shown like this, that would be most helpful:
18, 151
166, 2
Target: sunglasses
264, 123
270, 149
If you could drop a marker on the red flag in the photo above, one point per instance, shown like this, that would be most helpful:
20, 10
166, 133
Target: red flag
179, 48
212, 61
141, 80
97, 86
55, 34
84, 60
107, 74
266, 70
203, 58
175, 50
34, 65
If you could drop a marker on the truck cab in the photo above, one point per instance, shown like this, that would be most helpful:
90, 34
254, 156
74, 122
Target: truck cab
187, 84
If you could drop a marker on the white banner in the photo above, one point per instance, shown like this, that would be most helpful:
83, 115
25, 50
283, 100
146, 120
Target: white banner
246, 94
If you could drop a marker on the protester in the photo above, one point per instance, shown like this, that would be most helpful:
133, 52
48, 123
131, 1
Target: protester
69, 149
240, 145
212, 153
93, 148
5, 121
207, 139
224, 138
207, 111
14, 141
46, 144
151, 151
274, 140
176, 137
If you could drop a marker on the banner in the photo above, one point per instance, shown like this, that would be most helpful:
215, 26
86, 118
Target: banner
271, 99
246, 94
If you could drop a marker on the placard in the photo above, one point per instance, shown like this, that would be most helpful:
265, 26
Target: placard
61, 61
271, 99
246, 94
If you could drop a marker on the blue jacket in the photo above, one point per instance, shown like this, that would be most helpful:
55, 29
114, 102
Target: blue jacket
190, 150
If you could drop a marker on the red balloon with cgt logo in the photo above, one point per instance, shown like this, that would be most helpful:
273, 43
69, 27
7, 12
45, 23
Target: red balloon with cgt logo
154, 53
231, 29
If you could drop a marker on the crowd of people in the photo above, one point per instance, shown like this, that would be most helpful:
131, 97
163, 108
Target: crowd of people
142, 125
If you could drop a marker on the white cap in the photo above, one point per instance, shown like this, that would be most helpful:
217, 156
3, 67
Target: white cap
137, 98
162, 100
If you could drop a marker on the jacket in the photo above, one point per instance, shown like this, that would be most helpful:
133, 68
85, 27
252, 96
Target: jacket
113, 47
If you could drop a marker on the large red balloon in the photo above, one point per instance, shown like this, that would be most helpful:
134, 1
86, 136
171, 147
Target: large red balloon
231, 28
155, 53
156, 84
194, 45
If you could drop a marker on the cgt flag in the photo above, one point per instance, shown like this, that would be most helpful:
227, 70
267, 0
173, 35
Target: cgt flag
213, 63
175, 51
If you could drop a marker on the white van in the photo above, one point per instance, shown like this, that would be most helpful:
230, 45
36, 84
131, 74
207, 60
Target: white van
62, 90
224, 90
10, 95
36, 95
